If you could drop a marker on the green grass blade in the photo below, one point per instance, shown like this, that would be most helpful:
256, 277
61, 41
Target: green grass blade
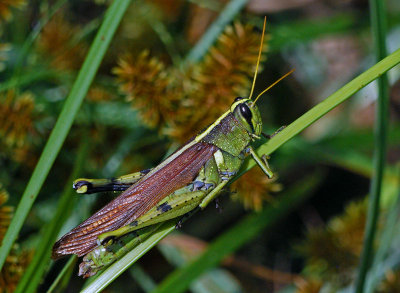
248, 228
33, 275
72, 104
213, 32
378, 21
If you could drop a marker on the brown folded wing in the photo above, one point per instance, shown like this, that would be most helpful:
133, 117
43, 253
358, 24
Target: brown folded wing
135, 201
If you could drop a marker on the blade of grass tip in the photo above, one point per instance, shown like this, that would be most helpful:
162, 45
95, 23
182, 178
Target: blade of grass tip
33, 275
215, 29
325, 106
71, 106
378, 22
248, 228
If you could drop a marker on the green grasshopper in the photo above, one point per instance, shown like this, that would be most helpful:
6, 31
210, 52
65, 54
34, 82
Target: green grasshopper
188, 179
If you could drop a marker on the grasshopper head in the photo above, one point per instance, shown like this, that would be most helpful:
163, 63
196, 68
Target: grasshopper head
247, 113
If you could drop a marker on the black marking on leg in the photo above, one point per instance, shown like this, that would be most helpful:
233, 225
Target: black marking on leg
165, 207
134, 223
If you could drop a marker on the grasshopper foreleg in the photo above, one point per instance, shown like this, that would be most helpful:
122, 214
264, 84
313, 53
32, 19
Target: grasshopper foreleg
262, 162
269, 136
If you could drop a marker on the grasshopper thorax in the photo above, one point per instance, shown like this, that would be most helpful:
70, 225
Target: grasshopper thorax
248, 115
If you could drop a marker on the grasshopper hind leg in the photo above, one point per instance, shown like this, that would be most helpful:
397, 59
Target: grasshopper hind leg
88, 186
178, 203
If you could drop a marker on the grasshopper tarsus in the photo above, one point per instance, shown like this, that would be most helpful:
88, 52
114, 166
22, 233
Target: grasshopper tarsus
218, 205
269, 136
179, 224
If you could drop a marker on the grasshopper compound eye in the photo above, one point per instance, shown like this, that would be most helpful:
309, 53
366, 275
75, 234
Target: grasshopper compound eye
246, 112
238, 99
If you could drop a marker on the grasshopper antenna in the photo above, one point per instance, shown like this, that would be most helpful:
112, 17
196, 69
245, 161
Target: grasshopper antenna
259, 57
290, 72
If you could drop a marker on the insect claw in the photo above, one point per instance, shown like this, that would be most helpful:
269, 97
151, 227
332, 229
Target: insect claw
267, 136
179, 224
218, 205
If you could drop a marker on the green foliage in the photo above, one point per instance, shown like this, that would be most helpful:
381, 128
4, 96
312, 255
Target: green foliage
144, 98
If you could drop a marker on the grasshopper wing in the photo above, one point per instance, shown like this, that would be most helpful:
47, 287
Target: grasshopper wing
175, 172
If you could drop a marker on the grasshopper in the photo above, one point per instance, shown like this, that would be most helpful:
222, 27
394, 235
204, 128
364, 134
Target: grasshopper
188, 179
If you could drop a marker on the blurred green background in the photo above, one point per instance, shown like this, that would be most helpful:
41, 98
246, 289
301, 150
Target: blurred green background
172, 67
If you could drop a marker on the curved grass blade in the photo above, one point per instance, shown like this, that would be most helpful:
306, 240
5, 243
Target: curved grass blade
72, 104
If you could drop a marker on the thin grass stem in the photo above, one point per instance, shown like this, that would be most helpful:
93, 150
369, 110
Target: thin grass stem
378, 22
